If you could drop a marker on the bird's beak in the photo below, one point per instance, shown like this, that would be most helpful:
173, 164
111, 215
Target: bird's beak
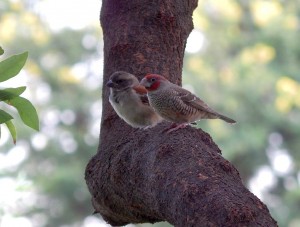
145, 83
110, 84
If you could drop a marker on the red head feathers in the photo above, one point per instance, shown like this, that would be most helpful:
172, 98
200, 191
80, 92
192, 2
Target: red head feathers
152, 81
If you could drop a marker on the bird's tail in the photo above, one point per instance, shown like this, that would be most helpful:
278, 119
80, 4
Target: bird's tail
227, 119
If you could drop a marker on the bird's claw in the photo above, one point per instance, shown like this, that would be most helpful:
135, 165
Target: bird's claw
174, 127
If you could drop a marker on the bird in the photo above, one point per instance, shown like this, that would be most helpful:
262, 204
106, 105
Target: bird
132, 107
176, 104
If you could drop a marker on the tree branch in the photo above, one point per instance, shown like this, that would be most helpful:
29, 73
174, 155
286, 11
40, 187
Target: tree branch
142, 176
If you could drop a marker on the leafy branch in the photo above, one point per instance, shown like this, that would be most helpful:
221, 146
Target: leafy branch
9, 68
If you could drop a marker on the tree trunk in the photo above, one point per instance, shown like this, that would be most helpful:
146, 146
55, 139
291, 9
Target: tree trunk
140, 176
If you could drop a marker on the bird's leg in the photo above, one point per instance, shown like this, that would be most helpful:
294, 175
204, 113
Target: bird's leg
174, 127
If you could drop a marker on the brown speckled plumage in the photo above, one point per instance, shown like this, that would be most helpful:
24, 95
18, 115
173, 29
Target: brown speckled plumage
176, 104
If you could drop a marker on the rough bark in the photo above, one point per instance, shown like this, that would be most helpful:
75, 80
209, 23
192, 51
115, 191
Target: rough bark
142, 176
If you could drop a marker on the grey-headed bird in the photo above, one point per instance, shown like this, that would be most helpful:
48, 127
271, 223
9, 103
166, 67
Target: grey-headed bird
132, 107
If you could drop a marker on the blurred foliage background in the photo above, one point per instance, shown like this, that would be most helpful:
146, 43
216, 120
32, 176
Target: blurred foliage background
243, 58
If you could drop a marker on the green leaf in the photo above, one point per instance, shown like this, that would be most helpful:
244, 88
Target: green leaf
12, 130
26, 111
10, 67
10, 93
4, 117
1, 51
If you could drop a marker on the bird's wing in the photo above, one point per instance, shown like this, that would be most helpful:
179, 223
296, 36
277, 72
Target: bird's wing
192, 100
142, 93
145, 100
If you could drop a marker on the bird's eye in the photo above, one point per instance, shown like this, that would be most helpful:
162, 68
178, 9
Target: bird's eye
119, 81
153, 79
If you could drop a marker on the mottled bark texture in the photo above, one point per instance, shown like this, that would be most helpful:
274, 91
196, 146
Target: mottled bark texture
142, 176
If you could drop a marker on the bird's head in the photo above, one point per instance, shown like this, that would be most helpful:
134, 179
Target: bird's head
121, 80
153, 81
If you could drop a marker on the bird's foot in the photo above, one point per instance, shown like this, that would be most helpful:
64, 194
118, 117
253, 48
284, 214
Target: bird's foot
147, 127
174, 127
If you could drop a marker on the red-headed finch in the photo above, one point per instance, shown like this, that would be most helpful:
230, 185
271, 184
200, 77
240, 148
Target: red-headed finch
175, 104
133, 108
